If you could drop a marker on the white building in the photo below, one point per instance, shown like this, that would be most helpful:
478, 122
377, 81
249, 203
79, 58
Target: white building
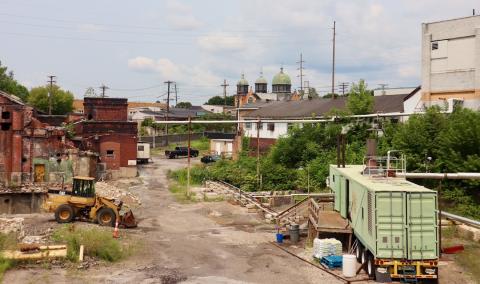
451, 62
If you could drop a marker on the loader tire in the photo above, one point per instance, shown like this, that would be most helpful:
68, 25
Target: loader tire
64, 214
106, 217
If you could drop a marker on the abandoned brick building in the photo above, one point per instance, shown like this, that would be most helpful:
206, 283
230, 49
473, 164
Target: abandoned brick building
31, 151
107, 131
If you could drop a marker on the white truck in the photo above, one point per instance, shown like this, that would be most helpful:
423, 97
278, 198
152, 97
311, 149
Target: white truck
143, 153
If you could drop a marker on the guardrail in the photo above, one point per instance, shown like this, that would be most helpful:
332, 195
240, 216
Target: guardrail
460, 219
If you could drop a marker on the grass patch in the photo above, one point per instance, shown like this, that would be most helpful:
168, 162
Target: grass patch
7, 241
96, 241
467, 259
180, 193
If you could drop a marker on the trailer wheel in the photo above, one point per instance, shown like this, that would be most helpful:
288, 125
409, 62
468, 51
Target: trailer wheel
359, 252
64, 214
364, 256
106, 217
371, 267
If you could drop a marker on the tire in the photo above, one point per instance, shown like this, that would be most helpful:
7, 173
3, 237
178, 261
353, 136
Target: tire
64, 214
106, 217
359, 252
365, 254
195, 155
371, 267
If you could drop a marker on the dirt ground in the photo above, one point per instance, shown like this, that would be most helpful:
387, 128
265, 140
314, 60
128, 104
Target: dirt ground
205, 242
212, 242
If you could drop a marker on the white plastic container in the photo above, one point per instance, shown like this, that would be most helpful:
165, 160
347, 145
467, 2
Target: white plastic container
349, 263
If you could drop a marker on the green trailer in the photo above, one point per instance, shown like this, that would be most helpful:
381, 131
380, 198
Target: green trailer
394, 220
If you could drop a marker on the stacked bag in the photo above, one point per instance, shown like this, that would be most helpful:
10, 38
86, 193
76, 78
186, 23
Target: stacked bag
326, 247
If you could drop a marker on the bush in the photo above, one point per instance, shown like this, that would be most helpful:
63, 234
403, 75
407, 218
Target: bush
97, 243
7, 241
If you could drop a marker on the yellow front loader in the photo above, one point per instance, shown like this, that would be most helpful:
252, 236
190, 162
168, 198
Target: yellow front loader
82, 203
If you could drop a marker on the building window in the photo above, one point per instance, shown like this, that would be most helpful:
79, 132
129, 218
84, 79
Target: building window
248, 125
434, 45
260, 126
110, 153
141, 148
271, 127
5, 115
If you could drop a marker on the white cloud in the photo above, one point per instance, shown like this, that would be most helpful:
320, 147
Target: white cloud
180, 16
221, 42
168, 70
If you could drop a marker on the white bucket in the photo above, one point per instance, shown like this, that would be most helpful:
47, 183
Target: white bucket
349, 263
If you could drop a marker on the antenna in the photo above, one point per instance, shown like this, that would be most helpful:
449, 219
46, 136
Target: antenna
301, 68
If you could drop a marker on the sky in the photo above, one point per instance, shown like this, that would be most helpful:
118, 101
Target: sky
133, 47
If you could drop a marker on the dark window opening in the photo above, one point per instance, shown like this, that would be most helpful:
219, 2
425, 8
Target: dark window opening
24, 160
5, 115
434, 45
6, 200
109, 153
271, 126
141, 148
6, 126
333, 177
90, 117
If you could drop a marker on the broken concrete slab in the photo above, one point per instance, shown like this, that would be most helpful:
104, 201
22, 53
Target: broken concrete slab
13, 225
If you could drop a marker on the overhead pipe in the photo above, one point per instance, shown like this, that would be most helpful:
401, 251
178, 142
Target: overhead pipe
440, 175
460, 219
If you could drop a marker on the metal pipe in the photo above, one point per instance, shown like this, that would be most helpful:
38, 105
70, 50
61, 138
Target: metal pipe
440, 175
295, 120
461, 219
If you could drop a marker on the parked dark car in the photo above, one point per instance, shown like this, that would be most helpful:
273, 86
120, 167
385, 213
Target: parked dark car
210, 159
181, 152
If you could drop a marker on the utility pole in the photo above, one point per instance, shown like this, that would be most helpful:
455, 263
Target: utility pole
103, 88
224, 85
343, 86
382, 86
301, 71
168, 109
176, 95
51, 81
333, 63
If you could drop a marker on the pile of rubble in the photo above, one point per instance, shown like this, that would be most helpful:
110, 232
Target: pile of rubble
12, 226
25, 188
106, 190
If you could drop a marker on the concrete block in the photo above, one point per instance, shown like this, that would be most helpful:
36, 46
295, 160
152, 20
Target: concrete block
469, 232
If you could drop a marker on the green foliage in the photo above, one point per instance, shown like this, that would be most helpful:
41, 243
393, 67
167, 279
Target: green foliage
220, 101
149, 122
7, 241
97, 243
9, 85
221, 127
360, 99
184, 105
62, 101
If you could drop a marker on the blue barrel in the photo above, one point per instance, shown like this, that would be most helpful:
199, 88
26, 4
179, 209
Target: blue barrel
279, 238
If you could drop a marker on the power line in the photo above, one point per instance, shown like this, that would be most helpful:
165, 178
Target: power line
224, 85
301, 71
343, 86
103, 88
51, 81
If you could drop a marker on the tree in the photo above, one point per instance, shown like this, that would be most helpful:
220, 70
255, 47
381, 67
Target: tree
184, 105
9, 85
360, 99
220, 101
62, 101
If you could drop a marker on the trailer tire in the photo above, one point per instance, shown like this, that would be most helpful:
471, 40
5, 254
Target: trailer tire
371, 267
106, 217
359, 252
64, 214
364, 255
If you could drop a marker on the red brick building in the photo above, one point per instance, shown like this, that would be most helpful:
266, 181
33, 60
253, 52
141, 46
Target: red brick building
107, 131
30, 151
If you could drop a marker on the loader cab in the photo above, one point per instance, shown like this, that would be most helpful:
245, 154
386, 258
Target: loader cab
83, 186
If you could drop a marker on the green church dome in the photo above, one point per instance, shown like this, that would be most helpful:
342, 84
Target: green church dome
242, 81
281, 79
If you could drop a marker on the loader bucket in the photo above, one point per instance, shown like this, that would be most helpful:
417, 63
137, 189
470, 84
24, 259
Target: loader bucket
128, 220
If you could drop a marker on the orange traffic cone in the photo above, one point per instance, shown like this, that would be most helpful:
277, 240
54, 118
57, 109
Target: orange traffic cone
115, 231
